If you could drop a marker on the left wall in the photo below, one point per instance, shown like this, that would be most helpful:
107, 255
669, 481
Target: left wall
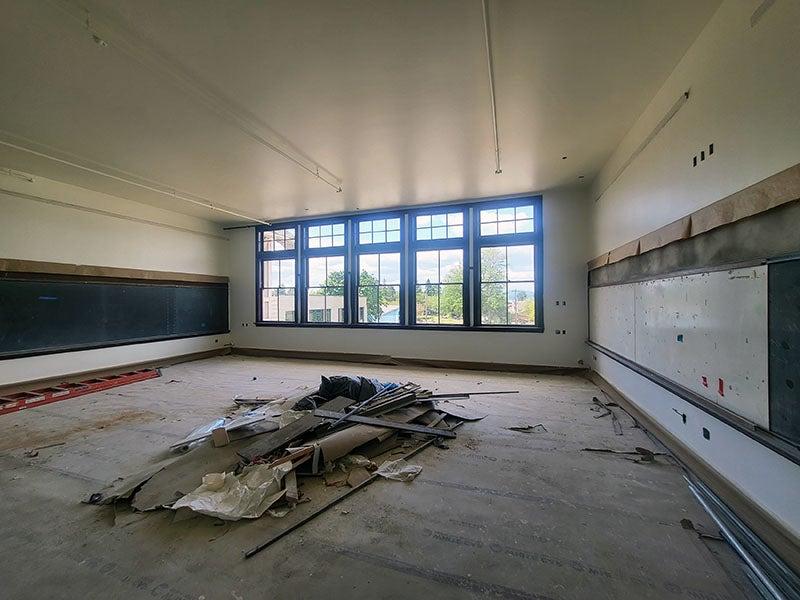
45, 220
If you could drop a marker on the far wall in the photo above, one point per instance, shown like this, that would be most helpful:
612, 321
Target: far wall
566, 245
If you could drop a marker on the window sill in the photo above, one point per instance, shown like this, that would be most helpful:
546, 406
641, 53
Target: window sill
389, 327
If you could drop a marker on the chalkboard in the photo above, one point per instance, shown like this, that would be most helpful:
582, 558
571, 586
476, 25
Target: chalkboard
44, 315
784, 349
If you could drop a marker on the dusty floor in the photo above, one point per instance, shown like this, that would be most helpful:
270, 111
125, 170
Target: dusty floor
498, 514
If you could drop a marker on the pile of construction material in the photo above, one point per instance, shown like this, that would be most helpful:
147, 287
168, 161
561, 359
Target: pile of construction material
348, 432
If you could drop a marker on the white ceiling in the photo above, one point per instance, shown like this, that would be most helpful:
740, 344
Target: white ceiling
390, 96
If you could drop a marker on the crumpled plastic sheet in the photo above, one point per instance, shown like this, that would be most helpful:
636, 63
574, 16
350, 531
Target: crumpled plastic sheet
231, 497
399, 470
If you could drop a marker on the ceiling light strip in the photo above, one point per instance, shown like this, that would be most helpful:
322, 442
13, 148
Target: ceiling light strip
656, 130
139, 49
142, 183
490, 64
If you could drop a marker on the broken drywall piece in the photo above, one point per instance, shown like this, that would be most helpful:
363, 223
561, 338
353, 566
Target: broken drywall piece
124, 487
232, 497
398, 470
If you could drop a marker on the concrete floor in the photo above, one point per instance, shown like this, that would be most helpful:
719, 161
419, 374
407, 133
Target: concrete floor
498, 514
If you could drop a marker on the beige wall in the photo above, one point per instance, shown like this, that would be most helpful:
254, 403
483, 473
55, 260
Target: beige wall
566, 245
745, 99
744, 87
50, 221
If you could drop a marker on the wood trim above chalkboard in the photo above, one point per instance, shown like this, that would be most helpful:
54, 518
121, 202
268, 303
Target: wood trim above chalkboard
13, 265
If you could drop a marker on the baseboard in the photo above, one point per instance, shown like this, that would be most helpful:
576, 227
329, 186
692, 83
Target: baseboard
761, 523
379, 359
155, 363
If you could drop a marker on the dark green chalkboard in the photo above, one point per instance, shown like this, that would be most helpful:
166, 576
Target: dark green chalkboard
784, 349
44, 315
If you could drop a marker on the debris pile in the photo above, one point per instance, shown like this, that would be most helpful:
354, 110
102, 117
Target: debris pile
345, 434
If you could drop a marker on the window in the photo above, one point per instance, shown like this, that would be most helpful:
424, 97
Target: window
278, 239
325, 289
440, 226
508, 285
508, 220
475, 265
506, 260
330, 235
379, 288
277, 293
440, 287
277, 276
379, 231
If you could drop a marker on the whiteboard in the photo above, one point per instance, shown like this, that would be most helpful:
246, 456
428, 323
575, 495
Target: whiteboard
707, 332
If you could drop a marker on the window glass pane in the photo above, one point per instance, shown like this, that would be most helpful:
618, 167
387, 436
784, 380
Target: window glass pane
520, 263
365, 226
427, 267
424, 234
505, 214
338, 240
338, 229
326, 241
336, 265
271, 273
368, 306
267, 241
488, 228
393, 236
451, 304
493, 264
393, 225
521, 304
504, 227
488, 215
524, 212
494, 310
455, 231
455, 218
379, 225
313, 231
508, 291
365, 238
439, 233
390, 268
313, 242
525, 226
368, 269
290, 239
427, 302
378, 237
451, 266
316, 271
326, 230
424, 221
287, 273
438, 220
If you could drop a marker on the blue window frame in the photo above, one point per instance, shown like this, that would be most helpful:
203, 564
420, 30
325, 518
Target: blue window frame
276, 274
325, 273
379, 267
471, 266
439, 270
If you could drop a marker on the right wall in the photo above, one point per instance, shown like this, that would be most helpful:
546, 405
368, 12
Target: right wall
707, 331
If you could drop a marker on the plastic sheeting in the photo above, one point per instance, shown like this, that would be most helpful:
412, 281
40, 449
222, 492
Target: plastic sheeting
231, 497
399, 470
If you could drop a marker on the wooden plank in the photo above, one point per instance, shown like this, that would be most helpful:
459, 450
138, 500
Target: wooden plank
327, 414
270, 442
13, 265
